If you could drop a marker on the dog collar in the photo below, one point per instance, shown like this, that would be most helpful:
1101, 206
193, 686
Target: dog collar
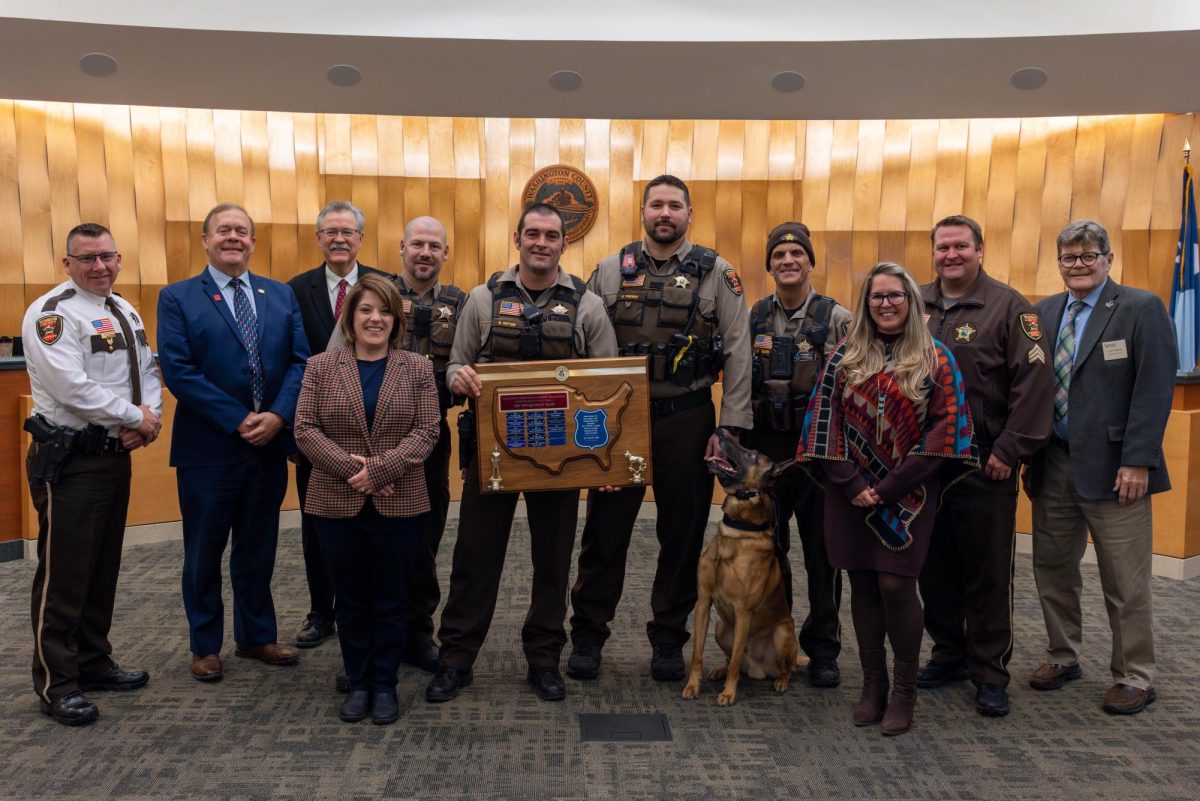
726, 520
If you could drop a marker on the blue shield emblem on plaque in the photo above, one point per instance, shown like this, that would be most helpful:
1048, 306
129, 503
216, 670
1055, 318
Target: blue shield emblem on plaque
591, 429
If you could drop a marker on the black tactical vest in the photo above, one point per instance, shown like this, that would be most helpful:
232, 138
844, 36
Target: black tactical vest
660, 317
431, 330
523, 331
785, 368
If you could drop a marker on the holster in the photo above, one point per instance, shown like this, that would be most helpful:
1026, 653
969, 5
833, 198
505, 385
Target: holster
55, 446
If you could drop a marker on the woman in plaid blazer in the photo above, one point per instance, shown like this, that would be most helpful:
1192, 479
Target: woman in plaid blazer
367, 419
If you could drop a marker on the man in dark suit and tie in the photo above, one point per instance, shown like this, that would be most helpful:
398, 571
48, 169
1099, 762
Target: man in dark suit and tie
1114, 365
232, 350
320, 293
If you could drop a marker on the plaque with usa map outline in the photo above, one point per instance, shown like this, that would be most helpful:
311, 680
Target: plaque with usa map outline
571, 424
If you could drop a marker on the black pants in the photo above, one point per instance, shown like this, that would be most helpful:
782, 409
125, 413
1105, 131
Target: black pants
683, 495
800, 497
370, 556
967, 581
484, 524
81, 527
423, 590
316, 567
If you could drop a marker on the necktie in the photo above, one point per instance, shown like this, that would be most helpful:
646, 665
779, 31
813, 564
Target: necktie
341, 297
248, 324
135, 374
1064, 360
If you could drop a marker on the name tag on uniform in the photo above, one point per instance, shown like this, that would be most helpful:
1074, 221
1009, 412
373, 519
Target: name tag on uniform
1115, 350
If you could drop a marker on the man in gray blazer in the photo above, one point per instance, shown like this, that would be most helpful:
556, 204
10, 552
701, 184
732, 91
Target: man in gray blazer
1114, 363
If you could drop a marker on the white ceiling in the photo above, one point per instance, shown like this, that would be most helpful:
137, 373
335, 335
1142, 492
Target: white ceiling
699, 59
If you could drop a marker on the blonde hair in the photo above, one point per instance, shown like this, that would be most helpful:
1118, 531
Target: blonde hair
392, 301
913, 353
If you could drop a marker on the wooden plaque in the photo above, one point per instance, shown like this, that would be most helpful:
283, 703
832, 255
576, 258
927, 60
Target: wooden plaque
566, 424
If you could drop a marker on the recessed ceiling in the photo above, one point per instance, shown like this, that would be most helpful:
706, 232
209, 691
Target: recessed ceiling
951, 70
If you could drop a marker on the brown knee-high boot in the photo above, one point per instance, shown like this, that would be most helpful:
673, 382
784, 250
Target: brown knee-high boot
899, 713
869, 709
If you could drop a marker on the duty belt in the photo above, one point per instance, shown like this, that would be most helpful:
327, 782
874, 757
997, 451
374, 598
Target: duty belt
667, 406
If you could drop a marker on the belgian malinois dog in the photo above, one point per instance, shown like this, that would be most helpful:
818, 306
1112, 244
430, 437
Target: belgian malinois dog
739, 572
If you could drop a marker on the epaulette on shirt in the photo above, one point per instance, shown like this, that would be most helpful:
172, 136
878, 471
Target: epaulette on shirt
52, 303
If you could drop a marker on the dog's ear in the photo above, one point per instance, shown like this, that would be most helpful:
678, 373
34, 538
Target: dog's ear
779, 468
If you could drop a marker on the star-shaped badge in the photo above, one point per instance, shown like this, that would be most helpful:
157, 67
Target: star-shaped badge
559, 309
445, 312
681, 281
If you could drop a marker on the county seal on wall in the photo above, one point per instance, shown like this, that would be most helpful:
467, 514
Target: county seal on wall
568, 190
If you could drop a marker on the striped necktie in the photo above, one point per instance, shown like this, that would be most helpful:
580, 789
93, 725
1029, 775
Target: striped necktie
1064, 360
341, 298
248, 324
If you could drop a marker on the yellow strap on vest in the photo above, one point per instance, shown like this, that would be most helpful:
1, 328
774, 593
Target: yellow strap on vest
683, 350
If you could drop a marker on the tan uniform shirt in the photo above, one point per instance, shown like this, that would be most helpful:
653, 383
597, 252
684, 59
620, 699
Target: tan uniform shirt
733, 323
783, 325
594, 336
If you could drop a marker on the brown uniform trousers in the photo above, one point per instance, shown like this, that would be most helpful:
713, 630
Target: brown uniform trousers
81, 528
683, 494
484, 524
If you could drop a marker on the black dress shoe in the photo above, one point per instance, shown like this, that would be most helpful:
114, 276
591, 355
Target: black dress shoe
313, 631
384, 708
356, 706
71, 710
938, 674
666, 663
547, 683
584, 663
823, 672
991, 700
114, 679
342, 682
423, 653
446, 683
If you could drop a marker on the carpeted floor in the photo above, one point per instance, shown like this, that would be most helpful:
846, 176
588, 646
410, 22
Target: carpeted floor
272, 733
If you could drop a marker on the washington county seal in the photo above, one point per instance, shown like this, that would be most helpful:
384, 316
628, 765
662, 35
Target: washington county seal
568, 190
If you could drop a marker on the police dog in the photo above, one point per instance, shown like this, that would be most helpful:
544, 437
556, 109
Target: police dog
739, 572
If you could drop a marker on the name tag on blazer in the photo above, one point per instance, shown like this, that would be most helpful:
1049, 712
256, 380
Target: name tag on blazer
1114, 350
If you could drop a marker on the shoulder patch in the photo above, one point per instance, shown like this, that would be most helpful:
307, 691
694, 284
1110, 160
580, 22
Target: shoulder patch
50, 328
1032, 326
733, 282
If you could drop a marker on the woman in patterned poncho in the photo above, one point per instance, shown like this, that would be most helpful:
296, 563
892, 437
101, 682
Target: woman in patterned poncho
888, 427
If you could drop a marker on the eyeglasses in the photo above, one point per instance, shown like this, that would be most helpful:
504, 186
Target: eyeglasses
1089, 259
894, 298
107, 257
334, 233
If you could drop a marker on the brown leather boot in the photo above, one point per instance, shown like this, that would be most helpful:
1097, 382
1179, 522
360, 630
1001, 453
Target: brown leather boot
869, 709
899, 713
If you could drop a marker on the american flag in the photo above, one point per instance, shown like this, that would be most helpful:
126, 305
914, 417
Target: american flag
104, 326
763, 341
511, 308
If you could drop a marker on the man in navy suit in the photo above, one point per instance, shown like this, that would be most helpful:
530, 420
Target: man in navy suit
1114, 365
320, 293
232, 350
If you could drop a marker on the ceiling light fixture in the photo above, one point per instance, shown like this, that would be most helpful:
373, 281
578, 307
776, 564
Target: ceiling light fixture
98, 65
343, 75
1028, 78
566, 80
788, 81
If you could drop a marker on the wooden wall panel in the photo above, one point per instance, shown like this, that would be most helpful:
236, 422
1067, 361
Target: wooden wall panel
869, 189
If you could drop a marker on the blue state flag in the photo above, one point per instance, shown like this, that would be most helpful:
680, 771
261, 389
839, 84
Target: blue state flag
1185, 290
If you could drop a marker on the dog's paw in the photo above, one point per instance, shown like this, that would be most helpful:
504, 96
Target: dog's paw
781, 683
717, 674
691, 690
727, 698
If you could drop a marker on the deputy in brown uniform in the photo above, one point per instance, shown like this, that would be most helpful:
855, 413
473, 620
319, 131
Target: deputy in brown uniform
966, 583
96, 396
432, 309
792, 332
681, 305
532, 311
